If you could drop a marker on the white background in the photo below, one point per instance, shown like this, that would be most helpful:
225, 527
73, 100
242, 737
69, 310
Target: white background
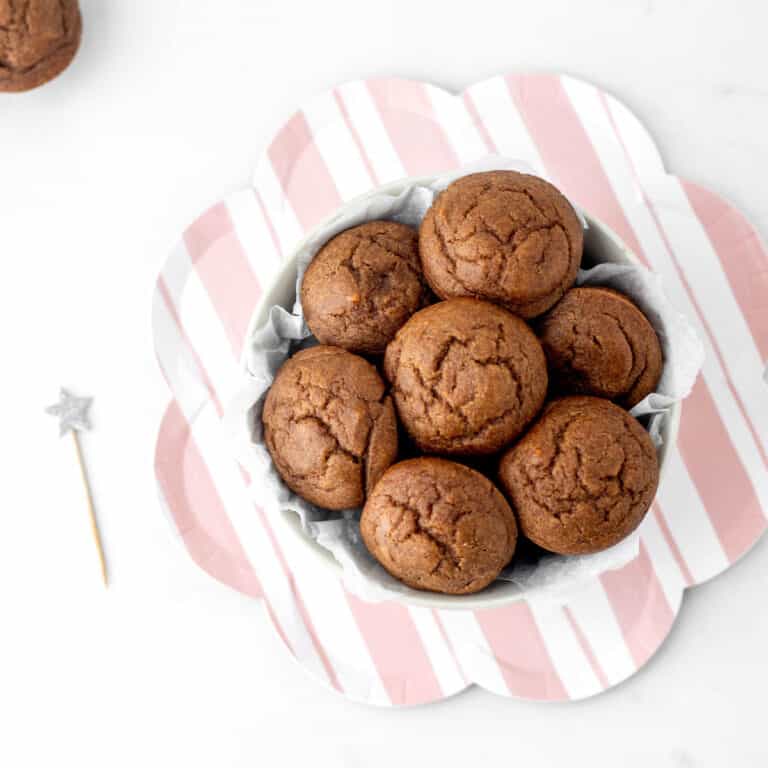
163, 112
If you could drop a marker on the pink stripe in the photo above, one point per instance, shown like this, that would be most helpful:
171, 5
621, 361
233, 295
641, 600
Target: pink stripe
587, 648
520, 652
566, 150
356, 137
162, 288
196, 507
482, 130
223, 267
724, 486
742, 256
413, 129
640, 606
303, 174
397, 651
672, 544
301, 606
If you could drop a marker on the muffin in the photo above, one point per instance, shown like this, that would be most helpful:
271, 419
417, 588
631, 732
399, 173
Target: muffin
502, 236
597, 342
329, 426
38, 39
363, 285
439, 526
467, 377
582, 478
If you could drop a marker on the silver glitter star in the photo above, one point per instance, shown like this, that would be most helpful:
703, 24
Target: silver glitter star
72, 412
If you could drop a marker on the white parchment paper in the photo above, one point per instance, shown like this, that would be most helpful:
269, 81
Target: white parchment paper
532, 573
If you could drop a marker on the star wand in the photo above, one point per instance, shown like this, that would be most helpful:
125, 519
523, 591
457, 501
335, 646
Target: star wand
73, 417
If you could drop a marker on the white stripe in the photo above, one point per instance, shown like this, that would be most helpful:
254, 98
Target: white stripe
176, 271
569, 660
203, 327
688, 521
645, 154
473, 651
337, 146
331, 615
680, 224
365, 117
440, 657
289, 231
593, 612
664, 563
457, 124
179, 365
214, 450
503, 122
254, 235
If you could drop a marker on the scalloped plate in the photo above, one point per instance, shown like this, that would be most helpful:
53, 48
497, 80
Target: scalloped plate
711, 507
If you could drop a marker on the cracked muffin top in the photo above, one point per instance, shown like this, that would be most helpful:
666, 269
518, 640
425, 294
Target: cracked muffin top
467, 377
597, 342
329, 426
38, 39
363, 285
582, 478
440, 526
503, 236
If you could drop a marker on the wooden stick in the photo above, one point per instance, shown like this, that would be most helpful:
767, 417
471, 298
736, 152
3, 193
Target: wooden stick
91, 508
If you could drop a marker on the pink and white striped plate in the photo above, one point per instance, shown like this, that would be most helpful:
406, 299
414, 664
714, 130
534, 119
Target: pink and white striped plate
712, 506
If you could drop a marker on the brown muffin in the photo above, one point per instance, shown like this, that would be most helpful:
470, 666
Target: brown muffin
439, 526
502, 236
582, 478
467, 376
597, 342
363, 285
330, 426
38, 39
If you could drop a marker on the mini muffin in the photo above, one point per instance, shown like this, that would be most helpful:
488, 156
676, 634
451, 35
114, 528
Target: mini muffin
467, 377
363, 285
330, 426
582, 478
439, 526
38, 39
597, 342
502, 236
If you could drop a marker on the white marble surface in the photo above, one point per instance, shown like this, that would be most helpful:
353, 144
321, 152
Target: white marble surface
162, 113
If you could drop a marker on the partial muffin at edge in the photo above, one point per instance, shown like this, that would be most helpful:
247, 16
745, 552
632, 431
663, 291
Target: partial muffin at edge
502, 236
329, 426
597, 342
440, 526
38, 40
363, 285
582, 478
467, 377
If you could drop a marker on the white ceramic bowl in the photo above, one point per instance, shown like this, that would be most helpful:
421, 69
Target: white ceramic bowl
601, 245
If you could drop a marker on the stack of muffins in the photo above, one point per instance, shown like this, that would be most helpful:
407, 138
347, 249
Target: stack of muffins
490, 357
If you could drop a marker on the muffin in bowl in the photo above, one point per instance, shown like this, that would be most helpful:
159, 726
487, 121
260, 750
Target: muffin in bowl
502, 236
329, 426
467, 377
